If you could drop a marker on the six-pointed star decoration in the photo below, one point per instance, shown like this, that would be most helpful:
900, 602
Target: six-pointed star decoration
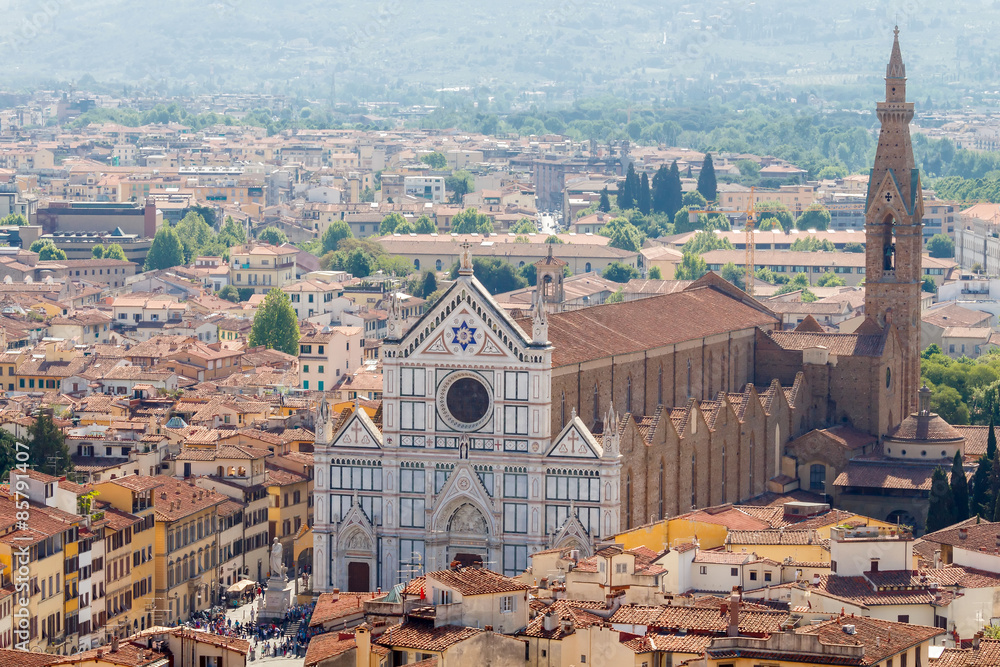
464, 335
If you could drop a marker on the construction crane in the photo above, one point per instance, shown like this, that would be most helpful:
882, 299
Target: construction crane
751, 244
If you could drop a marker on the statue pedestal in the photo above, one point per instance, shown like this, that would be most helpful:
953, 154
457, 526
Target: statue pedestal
275, 603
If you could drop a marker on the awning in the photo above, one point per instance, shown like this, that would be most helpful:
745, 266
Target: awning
241, 585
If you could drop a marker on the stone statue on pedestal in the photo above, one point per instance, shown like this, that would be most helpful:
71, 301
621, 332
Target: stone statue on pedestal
277, 563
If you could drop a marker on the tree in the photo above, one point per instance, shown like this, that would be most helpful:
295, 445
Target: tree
359, 263
389, 224
854, 246
995, 487
275, 325
552, 238
524, 226
460, 183
691, 267
428, 284
194, 233
114, 251
628, 190
707, 185
655, 273
166, 251
8, 453
704, 241
425, 225
660, 196
980, 501
619, 273
394, 265
623, 234
605, 203
471, 221
928, 285
273, 235
496, 275
774, 210
232, 233
830, 280
13, 220
673, 197
435, 160
97, 252
229, 293
731, 273
694, 199
643, 201
814, 217
334, 234
959, 489
618, 296
682, 221
405, 227
47, 250
47, 450
812, 244
941, 245
941, 510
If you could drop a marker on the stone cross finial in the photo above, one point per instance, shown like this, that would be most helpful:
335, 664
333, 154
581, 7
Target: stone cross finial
465, 260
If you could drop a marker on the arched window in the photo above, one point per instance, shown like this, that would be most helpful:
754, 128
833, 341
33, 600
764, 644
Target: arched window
694, 480
817, 477
689, 379
416, 265
562, 409
709, 368
628, 500
437, 265
628, 394
661, 494
659, 387
751, 464
586, 269
724, 496
596, 413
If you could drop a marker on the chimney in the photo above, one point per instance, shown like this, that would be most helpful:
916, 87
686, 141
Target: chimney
734, 612
336, 594
549, 622
114, 644
937, 559
963, 533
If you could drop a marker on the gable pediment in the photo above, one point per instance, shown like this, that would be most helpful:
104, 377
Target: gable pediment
466, 323
358, 431
575, 441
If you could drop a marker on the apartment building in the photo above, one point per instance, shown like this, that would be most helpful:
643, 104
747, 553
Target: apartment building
187, 548
289, 508
326, 356
261, 267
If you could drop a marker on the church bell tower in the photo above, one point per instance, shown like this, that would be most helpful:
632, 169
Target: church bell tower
894, 214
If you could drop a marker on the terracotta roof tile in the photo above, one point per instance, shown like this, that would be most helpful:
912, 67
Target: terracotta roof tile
595, 333
424, 638
477, 581
327, 646
840, 344
881, 639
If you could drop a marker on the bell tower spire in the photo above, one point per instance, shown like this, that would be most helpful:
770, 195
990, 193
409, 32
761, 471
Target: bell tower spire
894, 213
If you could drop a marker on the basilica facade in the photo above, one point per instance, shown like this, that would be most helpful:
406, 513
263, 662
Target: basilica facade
499, 437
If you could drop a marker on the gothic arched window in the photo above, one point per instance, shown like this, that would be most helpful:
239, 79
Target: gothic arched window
628, 500
689, 379
596, 395
562, 409
628, 395
661, 494
659, 387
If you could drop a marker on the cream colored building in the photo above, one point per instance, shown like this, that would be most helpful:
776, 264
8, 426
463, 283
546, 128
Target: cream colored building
261, 267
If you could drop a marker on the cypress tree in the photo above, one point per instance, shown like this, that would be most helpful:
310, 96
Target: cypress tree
941, 510
959, 489
980, 503
674, 196
660, 194
605, 203
643, 199
628, 189
991, 440
707, 185
993, 503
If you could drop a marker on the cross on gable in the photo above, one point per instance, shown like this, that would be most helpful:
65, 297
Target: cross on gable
888, 197
572, 441
355, 429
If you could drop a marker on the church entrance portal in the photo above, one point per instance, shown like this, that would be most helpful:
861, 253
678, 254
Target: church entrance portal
468, 560
358, 578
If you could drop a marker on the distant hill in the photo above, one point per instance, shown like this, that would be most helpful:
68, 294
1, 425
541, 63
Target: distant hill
401, 49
